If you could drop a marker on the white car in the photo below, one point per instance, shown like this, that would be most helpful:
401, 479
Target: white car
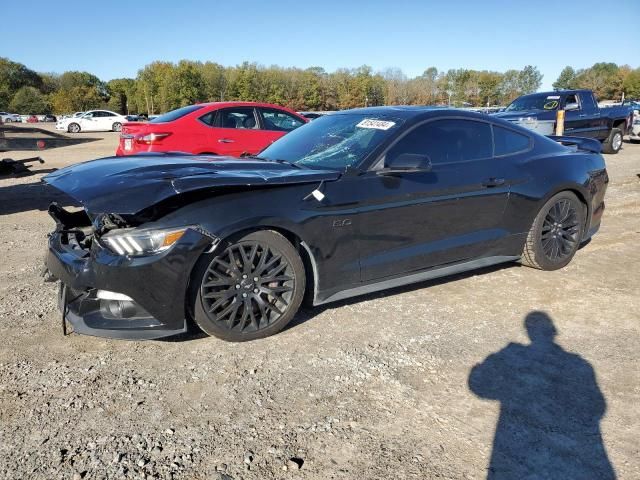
93, 121
9, 117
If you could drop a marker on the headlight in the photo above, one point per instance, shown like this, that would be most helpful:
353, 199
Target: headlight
138, 242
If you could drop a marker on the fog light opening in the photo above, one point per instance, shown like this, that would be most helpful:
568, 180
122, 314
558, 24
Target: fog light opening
121, 309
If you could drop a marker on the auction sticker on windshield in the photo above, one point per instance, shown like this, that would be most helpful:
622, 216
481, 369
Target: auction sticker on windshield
377, 124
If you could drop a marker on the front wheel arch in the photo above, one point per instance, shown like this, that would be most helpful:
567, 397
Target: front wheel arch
309, 262
194, 310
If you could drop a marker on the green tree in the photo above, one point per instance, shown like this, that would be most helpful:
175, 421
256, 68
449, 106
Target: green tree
396, 86
151, 86
246, 83
14, 76
312, 97
50, 83
29, 101
605, 79
187, 84
215, 81
121, 92
489, 85
529, 80
631, 84
566, 79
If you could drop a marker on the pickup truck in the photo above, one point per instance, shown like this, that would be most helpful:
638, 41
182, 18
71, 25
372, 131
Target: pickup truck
583, 117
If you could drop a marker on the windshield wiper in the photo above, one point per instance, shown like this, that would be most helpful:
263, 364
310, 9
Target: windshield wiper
277, 160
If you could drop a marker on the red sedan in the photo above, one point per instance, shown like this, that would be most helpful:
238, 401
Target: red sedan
221, 128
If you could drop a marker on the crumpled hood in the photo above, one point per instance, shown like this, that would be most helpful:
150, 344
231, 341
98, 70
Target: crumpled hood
128, 185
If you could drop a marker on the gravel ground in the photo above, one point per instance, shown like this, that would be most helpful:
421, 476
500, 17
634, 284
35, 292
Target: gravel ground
378, 387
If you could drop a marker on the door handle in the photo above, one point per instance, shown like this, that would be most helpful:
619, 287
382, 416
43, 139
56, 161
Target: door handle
225, 140
492, 182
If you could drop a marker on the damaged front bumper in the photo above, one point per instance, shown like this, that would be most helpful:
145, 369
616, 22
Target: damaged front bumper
109, 295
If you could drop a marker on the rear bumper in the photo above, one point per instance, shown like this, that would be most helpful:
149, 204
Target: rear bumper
105, 295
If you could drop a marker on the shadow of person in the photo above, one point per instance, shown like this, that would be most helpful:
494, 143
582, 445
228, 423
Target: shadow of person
550, 409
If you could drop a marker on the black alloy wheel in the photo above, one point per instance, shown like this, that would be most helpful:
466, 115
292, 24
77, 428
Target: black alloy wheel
251, 289
560, 231
556, 233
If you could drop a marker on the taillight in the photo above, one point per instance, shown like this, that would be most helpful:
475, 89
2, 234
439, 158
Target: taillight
152, 138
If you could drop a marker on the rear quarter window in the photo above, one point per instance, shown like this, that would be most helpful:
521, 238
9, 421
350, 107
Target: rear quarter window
176, 114
507, 142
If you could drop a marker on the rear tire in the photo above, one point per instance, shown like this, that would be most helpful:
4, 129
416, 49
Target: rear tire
556, 233
613, 143
251, 287
73, 128
116, 127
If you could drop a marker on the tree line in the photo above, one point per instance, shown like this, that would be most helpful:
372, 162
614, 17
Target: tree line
163, 86
607, 80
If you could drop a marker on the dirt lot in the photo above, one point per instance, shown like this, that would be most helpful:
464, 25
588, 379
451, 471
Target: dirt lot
380, 387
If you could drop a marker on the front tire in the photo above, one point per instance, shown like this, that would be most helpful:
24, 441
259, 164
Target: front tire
556, 233
250, 288
613, 143
116, 127
73, 128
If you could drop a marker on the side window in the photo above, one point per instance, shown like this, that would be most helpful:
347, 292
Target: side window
239, 117
571, 100
508, 142
446, 141
108, 114
279, 121
209, 118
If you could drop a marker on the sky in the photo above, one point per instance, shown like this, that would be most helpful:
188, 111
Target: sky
115, 39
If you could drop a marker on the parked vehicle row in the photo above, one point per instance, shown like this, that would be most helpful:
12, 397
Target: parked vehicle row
14, 117
353, 202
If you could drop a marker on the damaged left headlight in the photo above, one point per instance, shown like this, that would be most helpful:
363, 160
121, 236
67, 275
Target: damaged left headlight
133, 241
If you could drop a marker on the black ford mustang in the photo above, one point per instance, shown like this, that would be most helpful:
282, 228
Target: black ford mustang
351, 203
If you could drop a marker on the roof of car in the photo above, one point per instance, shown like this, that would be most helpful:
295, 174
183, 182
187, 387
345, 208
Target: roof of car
239, 103
412, 111
560, 92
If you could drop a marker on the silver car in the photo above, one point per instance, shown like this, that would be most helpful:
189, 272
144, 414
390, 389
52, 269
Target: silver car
9, 117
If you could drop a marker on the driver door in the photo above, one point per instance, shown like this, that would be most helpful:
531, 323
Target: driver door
89, 122
413, 220
236, 132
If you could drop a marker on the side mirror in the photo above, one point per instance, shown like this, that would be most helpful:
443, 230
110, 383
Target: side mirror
406, 162
571, 106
